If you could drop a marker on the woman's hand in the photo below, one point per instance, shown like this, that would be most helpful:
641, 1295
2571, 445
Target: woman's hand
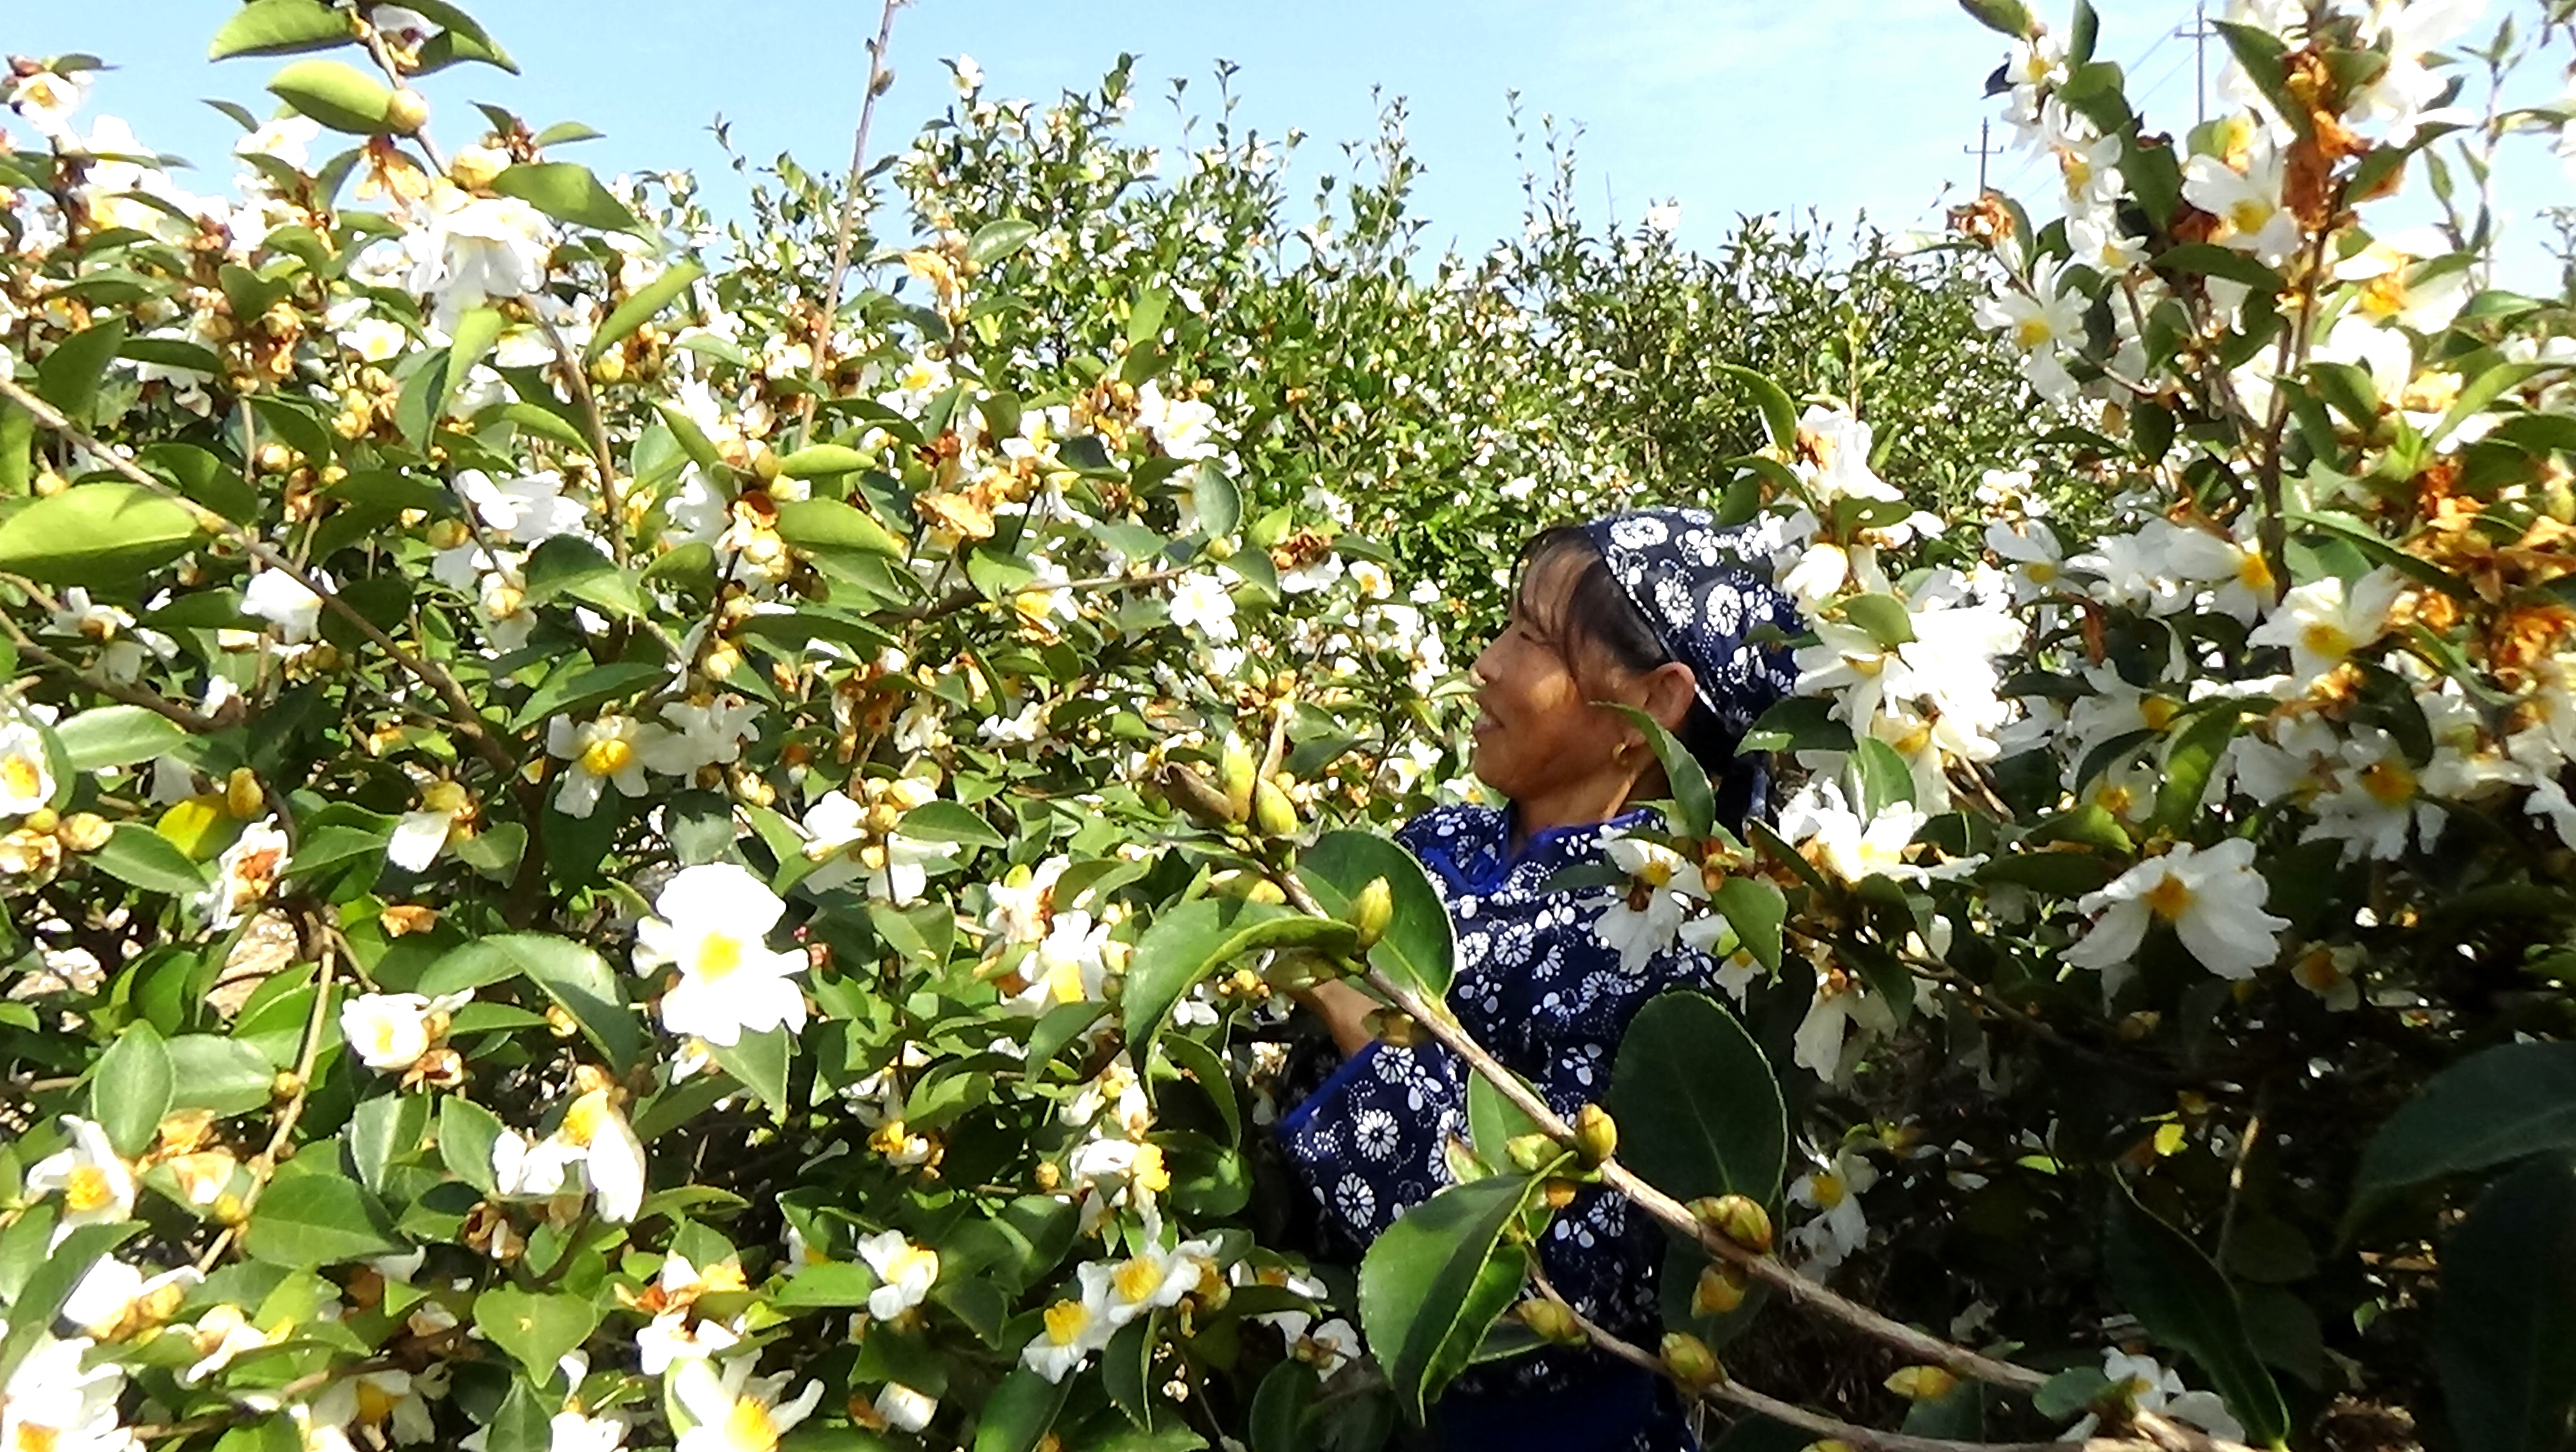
1345, 1012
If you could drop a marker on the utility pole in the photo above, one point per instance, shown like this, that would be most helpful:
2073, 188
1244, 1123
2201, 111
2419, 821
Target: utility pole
2199, 35
1982, 150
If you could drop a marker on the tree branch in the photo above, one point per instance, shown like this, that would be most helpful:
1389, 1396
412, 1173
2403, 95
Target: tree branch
853, 207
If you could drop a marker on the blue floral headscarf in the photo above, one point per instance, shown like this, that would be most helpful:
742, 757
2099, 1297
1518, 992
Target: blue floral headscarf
1705, 590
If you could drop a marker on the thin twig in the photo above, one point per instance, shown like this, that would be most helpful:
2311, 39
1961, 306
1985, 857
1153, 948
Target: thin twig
384, 59
292, 1111
577, 379
852, 208
195, 723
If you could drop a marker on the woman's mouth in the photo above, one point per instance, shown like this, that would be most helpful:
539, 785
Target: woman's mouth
1484, 722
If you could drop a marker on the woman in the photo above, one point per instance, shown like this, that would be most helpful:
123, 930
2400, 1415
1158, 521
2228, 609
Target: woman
1656, 610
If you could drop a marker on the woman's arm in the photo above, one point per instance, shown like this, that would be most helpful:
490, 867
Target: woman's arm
1345, 1012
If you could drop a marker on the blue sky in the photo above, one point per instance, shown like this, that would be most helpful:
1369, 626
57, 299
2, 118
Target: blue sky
1727, 106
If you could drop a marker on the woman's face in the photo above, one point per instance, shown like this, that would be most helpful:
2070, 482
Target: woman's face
1539, 740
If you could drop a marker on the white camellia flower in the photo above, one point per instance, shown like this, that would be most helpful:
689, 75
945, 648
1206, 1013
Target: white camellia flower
734, 1412
96, 1184
613, 1157
1147, 1281
2040, 326
1832, 1190
2152, 1388
281, 600
1184, 427
672, 1337
111, 1291
26, 778
607, 752
904, 1270
1067, 966
1200, 602
244, 874
1662, 888
528, 510
1831, 835
904, 1409
53, 1404
475, 249
2323, 623
2212, 896
390, 1031
708, 734
421, 835
712, 919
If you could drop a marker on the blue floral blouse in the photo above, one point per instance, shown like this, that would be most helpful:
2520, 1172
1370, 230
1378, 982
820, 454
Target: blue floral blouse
1535, 985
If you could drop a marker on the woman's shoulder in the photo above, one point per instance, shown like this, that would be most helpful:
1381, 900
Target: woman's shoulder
1452, 826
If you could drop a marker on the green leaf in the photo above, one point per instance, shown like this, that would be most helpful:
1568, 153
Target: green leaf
1756, 909
70, 375
466, 1133
116, 736
280, 27
1883, 616
102, 534
1419, 947
319, 1219
572, 975
32, 1314
995, 241
335, 93
758, 1062
1694, 800
2189, 764
1493, 1122
1126, 1369
2007, 17
1190, 942
2184, 1301
1015, 1418
130, 1091
2212, 260
946, 821
831, 527
1698, 1105
2504, 1331
384, 1129
2497, 1105
463, 39
135, 853
1218, 503
220, 1075
537, 1329
1881, 775
1436, 1280
822, 461
829, 1283
2070, 1393
640, 307
524, 1422
579, 686
567, 192
1279, 1409
475, 334
1779, 414
570, 565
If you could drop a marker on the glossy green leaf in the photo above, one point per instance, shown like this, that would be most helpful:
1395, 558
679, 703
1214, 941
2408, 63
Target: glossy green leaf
1015, 1418
116, 736
69, 377
1694, 800
524, 1422
131, 1089
823, 461
1698, 1106
567, 192
220, 1075
758, 1062
641, 306
2188, 766
319, 1219
535, 1328
135, 853
2495, 1106
466, 1133
51, 1283
2505, 1327
1218, 504
383, 1129
1187, 943
1756, 909
1779, 414
335, 93
830, 527
572, 975
947, 821
2184, 1301
1419, 946
281, 27
1883, 616
995, 241
2007, 17
102, 534
1437, 1279
1882, 776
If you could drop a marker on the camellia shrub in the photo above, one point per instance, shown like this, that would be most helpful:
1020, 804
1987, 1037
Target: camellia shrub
613, 840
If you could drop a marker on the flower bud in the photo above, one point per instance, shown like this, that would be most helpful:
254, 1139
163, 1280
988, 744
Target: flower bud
286, 1085
1197, 797
1531, 1153
1396, 1030
1236, 772
765, 464
1720, 1290
1372, 910
1221, 548
82, 831
1552, 1320
1737, 1217
407, 112
242, 795
1559, 1192
1273, 815
1596, 1135
1922, 1383
1688, 1361
43, 819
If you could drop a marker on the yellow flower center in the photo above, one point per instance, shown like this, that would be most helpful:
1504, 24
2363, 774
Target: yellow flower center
1655, 872
1149, 1173
2249, 215
36, 1437
913, 1260
1827, 1189
1137, 1279
2157, 711
2327, 639
2318, 972
375, 1404
1066, 1321
2389, 783
2031, 332
2041, 572
607, 756
2384, 296
2115, 799
1914, 739
2169, 899
2252, 571
747, 1428
89, 1190
719, 954
583, 1119
22, 777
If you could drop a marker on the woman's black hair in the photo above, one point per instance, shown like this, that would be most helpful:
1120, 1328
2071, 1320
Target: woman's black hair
1596, 611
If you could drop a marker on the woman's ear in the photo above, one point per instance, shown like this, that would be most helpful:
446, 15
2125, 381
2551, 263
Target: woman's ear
1670, 689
